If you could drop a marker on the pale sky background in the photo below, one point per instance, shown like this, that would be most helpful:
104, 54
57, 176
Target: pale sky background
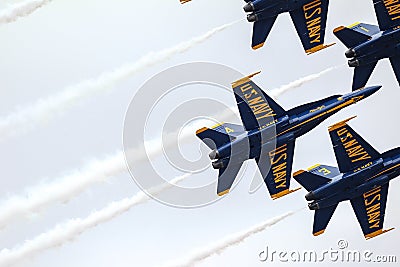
66, 42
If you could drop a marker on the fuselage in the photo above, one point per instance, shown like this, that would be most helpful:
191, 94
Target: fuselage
357, 182
384, 44
283, 130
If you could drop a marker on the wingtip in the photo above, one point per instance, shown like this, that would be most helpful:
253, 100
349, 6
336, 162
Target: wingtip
258, 46
284, 193
318, 48
223, 193
244, 79
298, 173
377, 233
340, 124
338, 29
199, 131
319, 233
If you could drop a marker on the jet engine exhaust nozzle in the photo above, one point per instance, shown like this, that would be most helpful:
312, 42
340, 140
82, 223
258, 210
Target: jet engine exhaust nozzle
310, 196
350, 53
249, 7
252, 17
313, 206
218, 164
354, 63
214, 154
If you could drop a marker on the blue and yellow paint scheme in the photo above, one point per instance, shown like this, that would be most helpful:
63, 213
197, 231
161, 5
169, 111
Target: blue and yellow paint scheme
362, 176
268, 134
367, 44
308, 16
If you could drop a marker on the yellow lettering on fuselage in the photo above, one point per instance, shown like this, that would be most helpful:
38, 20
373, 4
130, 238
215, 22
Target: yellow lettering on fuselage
393, 8
312, 14
353, 149
363, 167
373, 207
278, 158
317, 109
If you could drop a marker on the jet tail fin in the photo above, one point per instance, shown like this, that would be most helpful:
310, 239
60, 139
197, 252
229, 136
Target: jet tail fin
352, 36
310, 181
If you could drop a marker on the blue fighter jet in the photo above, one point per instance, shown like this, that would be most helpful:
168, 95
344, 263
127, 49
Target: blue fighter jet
367, 44
268, 134
362, 177
308, 16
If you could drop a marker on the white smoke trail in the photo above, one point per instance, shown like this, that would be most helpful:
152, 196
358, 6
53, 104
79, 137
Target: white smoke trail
295, 84
229, 112
45, 109
62, 189
201, 254
19, 10
66, 232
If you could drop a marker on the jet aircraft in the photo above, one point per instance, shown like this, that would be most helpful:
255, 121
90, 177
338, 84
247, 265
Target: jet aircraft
268, 134
309, 18
362, 177
367, 44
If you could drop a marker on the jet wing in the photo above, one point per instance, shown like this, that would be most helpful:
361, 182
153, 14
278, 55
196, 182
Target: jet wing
351, 150
276, 169
310, 24
226, 178
370, 211
395, 61
362, 74
256, 108
261, 30
387, 13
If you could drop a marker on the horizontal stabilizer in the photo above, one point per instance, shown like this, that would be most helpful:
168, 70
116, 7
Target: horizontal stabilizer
226, 178
212, 138
261, 30
349, 37
322, 218
310, 181
362, 74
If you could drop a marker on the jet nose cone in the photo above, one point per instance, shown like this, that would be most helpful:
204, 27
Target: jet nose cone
249, 7
371, 90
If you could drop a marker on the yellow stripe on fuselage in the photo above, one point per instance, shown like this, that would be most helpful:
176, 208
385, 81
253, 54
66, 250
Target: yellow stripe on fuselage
347, 103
